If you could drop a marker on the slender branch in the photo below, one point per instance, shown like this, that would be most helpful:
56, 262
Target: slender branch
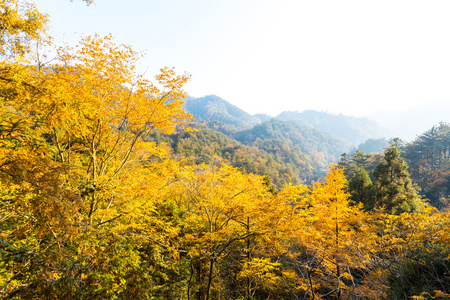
110, 220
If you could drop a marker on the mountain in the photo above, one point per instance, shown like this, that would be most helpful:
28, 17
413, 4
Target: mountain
407, 124
316, 143
263, 117
214, 109
352, 129
373, 146
259, 144
279, 160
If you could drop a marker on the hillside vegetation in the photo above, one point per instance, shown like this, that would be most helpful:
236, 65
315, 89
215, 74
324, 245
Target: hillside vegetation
281, 162
214, 108
426, 159
280, 149
106, 193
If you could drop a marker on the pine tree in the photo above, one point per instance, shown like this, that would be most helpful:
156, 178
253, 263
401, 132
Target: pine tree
394, 188
361, 189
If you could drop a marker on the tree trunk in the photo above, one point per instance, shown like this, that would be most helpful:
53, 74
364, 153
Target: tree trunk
211, 266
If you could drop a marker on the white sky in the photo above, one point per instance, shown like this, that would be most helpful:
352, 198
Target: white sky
267, 56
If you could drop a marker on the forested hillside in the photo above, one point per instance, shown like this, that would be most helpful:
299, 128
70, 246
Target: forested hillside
215, 109
373, 145
281, 161
427, 160
428, 157
315, 143
283, 150
94, 205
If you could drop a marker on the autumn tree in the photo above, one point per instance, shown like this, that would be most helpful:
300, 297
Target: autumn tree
412, 252
91, 209
331, 246
21, 25
230, 219
75, 174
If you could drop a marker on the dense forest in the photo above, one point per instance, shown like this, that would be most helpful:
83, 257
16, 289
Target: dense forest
425, 159
107, 193
281, 162
284, 151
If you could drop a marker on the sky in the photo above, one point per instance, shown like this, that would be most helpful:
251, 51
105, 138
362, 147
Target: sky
268, 56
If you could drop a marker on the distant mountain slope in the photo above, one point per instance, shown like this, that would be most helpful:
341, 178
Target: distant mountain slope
263, 117
283, 162
355, 130
408, 124
373, 146
314, 142
214, 108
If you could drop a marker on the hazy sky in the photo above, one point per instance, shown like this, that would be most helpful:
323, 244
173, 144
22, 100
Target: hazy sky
266, 56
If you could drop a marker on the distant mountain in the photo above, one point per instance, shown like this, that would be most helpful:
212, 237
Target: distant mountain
316, 143
373, 146
408, 124
292, 147
281, 161
215, 109
352, 129
257, 144
263, 117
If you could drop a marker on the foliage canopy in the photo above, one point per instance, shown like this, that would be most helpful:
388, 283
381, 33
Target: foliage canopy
90, 209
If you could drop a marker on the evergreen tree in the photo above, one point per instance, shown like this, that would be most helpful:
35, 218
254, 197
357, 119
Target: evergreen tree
394, 188
360, 159
345, 163
361, 189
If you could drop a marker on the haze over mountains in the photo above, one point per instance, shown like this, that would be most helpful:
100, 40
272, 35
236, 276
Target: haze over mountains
406, 124
292, 146
352, 129
409, 123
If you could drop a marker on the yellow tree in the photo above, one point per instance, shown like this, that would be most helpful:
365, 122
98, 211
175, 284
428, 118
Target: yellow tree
21, 25
74, 170
332, 242
230, 218
413, 252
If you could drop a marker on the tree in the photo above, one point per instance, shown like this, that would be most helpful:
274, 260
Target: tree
395, 191
78, 186
332, 243
230, 219
429, 159
412, 254
361, 189
21, 25
358, 160
345, 163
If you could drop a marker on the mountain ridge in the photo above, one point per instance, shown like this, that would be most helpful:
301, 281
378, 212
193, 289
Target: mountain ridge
230, 119
353, 129
214, 108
